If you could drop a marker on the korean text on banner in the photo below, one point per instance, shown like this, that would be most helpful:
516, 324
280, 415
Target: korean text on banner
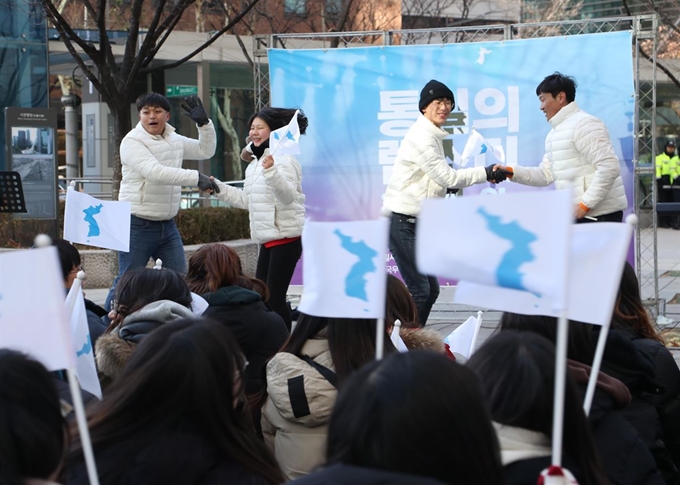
39, 330
344, 269
286, 140
518, 241
95, 222
598, 254
86, 371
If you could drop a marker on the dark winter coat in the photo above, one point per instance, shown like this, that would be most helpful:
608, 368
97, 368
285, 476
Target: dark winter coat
665, 401
354, 475
624, 456
259, 331
180, 457
95, 323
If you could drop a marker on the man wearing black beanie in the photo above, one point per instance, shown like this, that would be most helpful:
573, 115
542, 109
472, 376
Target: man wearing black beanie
420, 172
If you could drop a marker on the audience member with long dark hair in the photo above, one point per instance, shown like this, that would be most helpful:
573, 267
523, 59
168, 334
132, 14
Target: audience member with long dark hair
302, 382
145, 300
517, 372
33, 434
412, 418
176, 415
238, 301
632, 322
625, 457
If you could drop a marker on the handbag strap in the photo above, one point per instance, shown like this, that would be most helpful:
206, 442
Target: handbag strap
328, 374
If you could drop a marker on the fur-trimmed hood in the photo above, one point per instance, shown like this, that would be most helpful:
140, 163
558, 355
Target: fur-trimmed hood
422, 339
113, 350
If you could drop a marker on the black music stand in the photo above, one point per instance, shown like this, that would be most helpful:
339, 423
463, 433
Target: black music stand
11, 193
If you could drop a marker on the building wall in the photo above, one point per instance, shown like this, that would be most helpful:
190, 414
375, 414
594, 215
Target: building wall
23, 60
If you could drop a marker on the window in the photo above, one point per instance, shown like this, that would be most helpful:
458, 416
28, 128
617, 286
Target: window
295, 7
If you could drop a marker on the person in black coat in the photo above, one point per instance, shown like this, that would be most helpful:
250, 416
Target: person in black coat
656, 403
239, 302
176, 416
625, 457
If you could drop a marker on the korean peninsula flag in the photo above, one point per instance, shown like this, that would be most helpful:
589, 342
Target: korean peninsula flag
32, 315
518, 241
477, 145
286, 140
101, 223
344, 268
85, 369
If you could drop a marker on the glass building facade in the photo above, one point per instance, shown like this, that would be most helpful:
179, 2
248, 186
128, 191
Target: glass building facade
23, 60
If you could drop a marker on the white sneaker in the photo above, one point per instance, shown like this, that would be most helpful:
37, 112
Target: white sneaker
663, 320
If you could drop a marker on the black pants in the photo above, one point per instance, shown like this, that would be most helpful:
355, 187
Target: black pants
275, 266
664, 195
611, 217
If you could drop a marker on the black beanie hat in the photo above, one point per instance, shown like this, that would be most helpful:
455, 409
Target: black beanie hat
435, 90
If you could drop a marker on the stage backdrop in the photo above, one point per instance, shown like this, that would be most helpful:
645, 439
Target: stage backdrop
361, 101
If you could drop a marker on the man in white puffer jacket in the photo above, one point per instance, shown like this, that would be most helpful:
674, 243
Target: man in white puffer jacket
151, 155
421, 172
578, 149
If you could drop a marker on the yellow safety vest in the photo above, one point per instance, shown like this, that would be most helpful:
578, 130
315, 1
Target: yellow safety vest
666, 165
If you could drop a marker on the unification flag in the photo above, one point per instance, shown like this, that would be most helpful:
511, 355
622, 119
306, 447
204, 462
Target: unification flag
286, 140
597, 256
344, 268
32, 315
101, 223
85, 368
464, 338
477, 145
517, 241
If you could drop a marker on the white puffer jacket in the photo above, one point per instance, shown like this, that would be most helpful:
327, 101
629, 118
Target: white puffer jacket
578, 148
152, 168
421, 172
273, 196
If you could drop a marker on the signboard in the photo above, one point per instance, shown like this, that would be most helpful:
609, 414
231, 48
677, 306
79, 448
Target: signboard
174, 91
31, 152
361, 101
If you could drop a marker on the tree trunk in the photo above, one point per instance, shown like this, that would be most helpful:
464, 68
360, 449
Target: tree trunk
121, 112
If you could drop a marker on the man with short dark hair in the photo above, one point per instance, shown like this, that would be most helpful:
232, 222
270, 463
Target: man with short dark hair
152, 155
420, 172
578, 149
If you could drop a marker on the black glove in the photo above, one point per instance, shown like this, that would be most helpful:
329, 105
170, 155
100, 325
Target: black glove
496, 176
193, 108
206, 184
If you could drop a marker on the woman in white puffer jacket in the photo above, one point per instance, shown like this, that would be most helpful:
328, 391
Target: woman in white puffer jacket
272, 193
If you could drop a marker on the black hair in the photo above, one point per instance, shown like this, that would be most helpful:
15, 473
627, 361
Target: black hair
279, 117
517, 372
181, 376
629, 312
580, 347
152, 100
400, 304
418, 413
138, 288
69, 257
32, 429
351, 341
558, 83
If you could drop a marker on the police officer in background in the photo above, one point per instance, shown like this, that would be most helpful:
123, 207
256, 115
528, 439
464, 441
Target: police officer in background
667, 175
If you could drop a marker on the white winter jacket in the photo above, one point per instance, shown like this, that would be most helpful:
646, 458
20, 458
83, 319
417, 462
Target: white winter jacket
273, 196
152, 168
578, 148
421, 172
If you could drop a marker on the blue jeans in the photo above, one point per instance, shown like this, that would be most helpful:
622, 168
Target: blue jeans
423, 288
150, 239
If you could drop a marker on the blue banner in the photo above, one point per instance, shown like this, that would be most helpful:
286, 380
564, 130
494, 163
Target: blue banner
361, 101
